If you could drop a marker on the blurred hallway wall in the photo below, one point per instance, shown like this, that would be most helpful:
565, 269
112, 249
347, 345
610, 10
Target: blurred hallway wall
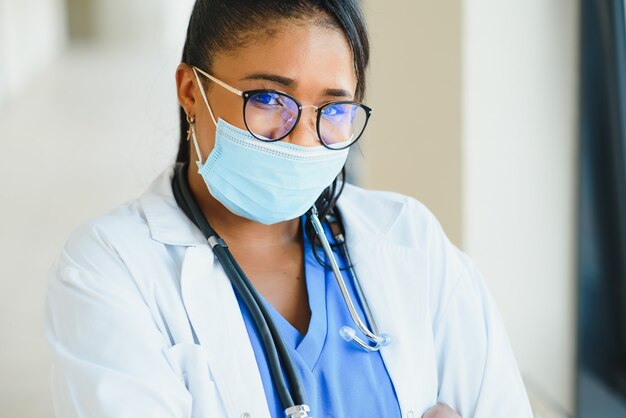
149, 23
413, 142
475, 115
88, 120
32, 35
520, 146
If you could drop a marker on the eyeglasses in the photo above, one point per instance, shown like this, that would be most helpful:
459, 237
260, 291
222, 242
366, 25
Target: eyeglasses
271, 115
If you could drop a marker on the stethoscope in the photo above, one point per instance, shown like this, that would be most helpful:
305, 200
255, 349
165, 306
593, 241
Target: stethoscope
276, 352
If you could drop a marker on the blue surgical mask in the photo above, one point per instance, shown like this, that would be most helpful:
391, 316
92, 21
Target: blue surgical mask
267, 182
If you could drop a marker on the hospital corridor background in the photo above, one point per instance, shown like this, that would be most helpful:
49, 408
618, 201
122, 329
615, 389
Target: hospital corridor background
490, 113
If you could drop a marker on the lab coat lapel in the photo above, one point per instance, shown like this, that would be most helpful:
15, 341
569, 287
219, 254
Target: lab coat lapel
380, 264
376, 262
210, 302
216, 318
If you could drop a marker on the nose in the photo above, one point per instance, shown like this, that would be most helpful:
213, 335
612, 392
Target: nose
305, 132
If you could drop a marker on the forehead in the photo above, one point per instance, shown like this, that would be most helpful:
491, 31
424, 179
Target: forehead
314, 56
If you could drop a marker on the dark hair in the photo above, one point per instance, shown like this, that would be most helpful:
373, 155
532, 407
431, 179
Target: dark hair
223, 25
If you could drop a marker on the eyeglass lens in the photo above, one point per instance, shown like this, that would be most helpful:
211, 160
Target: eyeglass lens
272, 115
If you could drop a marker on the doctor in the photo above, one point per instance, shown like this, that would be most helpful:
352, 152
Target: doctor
143, 319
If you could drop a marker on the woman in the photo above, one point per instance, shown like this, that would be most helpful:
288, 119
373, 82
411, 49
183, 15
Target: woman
153, 309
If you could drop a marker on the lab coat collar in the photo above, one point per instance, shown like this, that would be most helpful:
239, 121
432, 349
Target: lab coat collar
167, 222
374, 221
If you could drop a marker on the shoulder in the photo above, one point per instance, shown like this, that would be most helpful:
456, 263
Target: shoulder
133, 232
383, 197
124, 217
415, 239
99, 239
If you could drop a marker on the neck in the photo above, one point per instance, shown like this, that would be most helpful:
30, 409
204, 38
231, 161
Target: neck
237, 230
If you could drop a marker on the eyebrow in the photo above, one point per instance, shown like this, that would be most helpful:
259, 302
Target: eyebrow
291, 83
337, 93
285, 81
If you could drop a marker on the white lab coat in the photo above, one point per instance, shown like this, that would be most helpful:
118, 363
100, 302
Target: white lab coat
143, 322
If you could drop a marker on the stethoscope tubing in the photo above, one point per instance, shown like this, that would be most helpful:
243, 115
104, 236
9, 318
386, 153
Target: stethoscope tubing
357, 284
290, 369
377, 340
273, 345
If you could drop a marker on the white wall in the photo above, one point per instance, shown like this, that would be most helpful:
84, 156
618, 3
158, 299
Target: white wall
127, 21
145, 22
32, 34
519, 175
93, 127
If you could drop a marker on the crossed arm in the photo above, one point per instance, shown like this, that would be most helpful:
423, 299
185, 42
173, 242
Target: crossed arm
441, 411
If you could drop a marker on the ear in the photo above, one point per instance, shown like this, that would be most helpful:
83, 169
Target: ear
185, 88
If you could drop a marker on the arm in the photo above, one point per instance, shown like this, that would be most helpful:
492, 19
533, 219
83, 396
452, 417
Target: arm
108, 354
441, 411
478, 374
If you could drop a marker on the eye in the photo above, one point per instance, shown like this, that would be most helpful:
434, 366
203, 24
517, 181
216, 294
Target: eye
267, 98
335, 110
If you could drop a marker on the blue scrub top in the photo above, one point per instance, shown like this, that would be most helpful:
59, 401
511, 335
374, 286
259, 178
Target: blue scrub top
339, 379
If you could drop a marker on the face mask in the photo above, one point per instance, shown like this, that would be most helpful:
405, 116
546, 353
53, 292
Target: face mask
267, 182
